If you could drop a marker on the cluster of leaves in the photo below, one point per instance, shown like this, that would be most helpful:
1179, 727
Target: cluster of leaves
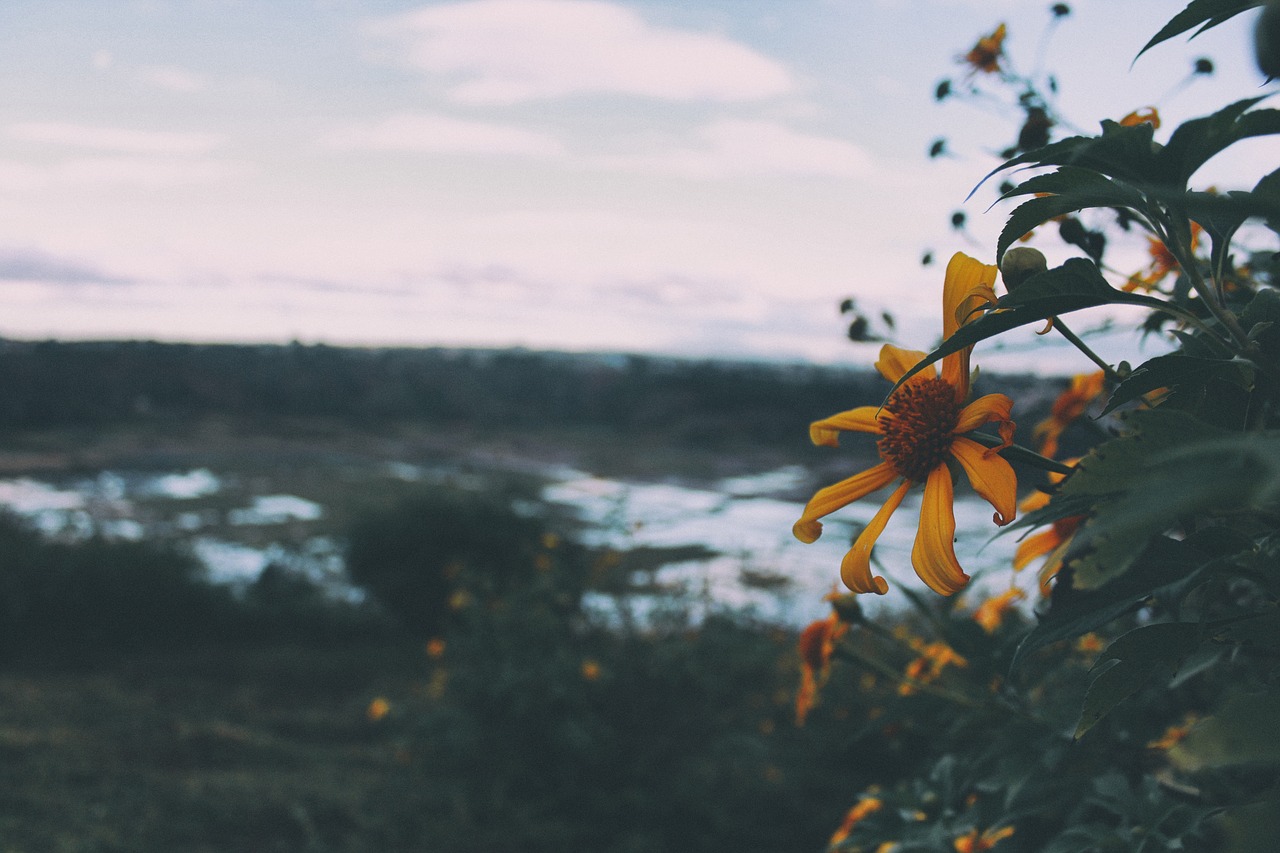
1173, 518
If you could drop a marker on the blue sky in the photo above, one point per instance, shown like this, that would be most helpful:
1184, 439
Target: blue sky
698, 179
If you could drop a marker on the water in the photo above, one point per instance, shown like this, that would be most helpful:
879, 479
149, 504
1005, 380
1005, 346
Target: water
758, 566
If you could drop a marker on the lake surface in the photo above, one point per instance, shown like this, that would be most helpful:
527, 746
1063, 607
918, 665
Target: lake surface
237, 526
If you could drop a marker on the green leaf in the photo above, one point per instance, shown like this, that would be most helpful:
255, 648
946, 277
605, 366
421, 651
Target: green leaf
1245, 731
1126, 153
1163, 562
1171, 466
1202, 13
1195, 142
1251, 828
1075, 285
1131, 662
1177, 371
1260, 631
1069, 189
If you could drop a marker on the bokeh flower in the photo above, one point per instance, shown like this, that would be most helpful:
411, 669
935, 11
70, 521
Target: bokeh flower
865, 806
921, 428
986, 53
973, 842
1070, 405
990, 614
816, 645
928, 667
1163, 263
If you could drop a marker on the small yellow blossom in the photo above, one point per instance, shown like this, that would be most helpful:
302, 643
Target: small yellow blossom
990, 613
865, 806
972, 842
1175, 734
927, 668
378, 710
986, 53
1149, 115
1090, 644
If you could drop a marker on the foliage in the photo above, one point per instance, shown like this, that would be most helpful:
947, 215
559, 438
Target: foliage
1137, 708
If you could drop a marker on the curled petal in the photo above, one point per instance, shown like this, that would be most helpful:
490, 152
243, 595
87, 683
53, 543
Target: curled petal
969, 283
984, 410
934, 554
895, 361
826, 432
1035, 546
990, 475
855, 569
831, 498
1048, 327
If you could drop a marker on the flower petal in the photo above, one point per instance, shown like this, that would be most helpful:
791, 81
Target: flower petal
826, 432
855, 568
968, 284
1035, 546
984, 410
990, 475
828, 500
895, 361
934, 554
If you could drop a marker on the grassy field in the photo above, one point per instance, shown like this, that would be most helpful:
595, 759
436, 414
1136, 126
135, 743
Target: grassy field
223, 750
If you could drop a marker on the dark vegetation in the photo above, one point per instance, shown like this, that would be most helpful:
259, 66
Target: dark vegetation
144, 709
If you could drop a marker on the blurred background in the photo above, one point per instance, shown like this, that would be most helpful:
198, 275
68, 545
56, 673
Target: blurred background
403, 405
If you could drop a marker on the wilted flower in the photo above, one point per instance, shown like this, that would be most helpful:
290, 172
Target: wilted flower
921, 429
816, 645
985, 55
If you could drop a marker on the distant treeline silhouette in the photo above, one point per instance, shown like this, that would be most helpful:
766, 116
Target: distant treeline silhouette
57, 384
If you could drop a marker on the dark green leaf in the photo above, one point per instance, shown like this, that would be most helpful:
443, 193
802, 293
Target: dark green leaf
1075, 285
1069, 189
1131, 662
1245, 731
1176, 371
1195, 142
1200, 13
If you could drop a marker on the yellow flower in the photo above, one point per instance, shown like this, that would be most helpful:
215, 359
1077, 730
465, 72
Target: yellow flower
1150, 115
817, 644
972, 842
985, 55
1162, 265
990, 613
1175, 734
864, 807
934, 658
378, 710
1052, 542
1071, 404
921, 429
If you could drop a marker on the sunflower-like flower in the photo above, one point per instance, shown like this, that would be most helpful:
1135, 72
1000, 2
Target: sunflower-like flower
985, 54
921, 428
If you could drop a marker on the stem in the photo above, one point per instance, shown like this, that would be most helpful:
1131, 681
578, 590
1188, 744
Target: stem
1075, 340
1018, 453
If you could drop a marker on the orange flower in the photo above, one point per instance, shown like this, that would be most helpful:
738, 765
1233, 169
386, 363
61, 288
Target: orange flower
985, 55
378, 710
972, 842
1052, 542
1071, 404
1174, 735
590, 670
926, 669
990, 613
817, 644
864, 807
1162, 265
1150, 115
435, 648
921, 429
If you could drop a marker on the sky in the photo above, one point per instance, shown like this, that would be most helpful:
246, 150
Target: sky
695, 179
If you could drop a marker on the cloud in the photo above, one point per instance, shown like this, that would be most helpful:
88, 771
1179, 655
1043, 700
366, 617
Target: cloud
172, 79
741, 147
433, 133
32, 265
110, 171
509, 51
115, 139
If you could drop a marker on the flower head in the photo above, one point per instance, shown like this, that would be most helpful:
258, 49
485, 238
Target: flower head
921, 428
990, 613
985, 55
972, 842
1070, 405
816, 645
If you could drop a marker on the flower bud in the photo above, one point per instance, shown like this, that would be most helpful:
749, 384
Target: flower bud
1019, 264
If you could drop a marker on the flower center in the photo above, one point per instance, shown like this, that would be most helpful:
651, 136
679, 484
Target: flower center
920, 428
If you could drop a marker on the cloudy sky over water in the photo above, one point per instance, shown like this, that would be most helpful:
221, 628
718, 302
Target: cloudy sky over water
705, 178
